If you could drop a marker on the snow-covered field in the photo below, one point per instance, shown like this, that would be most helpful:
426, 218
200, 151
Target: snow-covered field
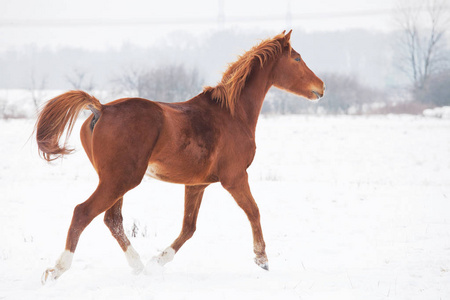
351, 208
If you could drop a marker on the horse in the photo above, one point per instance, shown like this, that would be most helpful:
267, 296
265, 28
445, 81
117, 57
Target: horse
207, 139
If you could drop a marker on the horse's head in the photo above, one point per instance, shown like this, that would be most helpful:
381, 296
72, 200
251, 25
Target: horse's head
293, 75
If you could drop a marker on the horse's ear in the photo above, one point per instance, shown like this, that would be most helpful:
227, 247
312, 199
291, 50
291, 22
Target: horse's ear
287, 38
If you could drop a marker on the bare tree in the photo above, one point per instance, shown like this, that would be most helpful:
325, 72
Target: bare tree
37, 89
171, 83
129, 83
167, 83
3, 105
423, 27
78, 80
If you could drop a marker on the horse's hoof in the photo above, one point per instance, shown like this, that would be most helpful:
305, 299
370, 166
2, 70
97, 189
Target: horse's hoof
138, 270
265, 266
262, 262
48, 275
62, 265
153, 268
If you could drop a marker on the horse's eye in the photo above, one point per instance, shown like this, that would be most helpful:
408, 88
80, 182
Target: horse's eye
298, 59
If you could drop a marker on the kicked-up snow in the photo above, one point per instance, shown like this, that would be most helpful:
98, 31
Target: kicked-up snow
351, 208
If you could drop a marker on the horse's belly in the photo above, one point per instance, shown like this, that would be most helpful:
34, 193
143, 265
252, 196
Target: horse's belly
180, 174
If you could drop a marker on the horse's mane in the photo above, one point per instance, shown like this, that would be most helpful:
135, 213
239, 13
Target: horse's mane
229, 89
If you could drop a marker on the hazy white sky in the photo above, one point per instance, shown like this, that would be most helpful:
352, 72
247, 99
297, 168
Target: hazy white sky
109, 23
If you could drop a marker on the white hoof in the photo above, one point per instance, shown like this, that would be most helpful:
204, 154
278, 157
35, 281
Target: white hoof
156, 264
153, 268
48, 276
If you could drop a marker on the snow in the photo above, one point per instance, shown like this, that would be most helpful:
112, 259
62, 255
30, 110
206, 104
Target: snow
438, 112
351, 208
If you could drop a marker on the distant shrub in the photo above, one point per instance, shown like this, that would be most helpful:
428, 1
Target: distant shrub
14, 110
343, 95
346, 95
436, 91
408, 107
167, 83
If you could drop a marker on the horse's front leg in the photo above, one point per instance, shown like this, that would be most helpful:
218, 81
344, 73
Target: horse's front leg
240, 190
192, 201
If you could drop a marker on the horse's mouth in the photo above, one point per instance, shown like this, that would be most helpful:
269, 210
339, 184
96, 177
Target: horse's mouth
317, 95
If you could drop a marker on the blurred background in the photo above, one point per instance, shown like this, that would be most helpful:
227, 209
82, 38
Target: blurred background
376, 57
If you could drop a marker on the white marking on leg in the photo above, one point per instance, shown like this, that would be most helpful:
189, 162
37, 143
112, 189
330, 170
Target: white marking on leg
65, 261
165, 256
155, 266
134, 260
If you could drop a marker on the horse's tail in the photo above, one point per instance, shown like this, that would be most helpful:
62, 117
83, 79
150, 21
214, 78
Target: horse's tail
59, 114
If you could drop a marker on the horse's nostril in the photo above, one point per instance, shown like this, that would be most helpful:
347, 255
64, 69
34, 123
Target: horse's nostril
324, 87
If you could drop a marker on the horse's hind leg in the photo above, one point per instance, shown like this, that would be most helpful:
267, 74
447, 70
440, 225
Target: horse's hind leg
192, 201
104, 197
114, 221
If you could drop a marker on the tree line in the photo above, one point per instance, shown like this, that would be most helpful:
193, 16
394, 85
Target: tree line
173, 83
420, 51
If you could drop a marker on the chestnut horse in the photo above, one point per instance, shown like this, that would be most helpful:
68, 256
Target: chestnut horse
209, 138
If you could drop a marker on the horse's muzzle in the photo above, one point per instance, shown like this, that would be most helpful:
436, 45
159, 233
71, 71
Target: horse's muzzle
320, 94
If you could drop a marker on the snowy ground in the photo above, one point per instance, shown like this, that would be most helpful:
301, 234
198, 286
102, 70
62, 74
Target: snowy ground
352, 208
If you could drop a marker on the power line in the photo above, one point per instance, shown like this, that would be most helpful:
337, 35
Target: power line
75, 22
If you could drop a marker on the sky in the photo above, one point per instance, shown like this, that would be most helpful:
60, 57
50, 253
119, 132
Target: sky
104, 24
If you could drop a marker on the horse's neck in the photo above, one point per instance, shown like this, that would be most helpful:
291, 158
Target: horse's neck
252, 96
